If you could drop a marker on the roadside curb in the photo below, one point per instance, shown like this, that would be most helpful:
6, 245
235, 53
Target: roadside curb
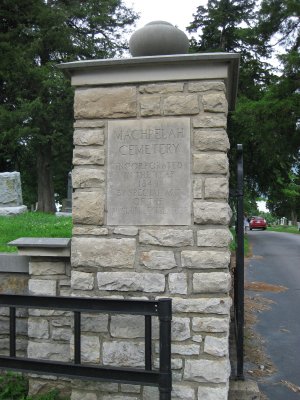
243, 390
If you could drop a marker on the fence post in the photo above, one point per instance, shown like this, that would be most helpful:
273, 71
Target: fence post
165, 378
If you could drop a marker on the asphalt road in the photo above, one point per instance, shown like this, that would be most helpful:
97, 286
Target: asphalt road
276, 261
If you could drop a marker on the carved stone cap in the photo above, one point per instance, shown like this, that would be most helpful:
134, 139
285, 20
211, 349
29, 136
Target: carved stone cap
158, 38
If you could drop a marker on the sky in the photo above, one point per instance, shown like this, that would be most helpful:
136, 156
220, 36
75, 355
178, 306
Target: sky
165, 10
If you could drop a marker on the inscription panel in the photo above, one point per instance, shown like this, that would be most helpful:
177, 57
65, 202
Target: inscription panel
149, 178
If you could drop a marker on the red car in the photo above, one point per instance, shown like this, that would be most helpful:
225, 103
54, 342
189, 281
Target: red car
258, 223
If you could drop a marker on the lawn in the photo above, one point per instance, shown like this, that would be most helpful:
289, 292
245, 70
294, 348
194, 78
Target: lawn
284, 228
32, 224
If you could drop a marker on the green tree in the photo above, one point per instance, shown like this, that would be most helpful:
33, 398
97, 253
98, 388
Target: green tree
35, 98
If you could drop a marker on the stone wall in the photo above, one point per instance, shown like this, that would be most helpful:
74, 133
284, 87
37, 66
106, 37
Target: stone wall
187, 263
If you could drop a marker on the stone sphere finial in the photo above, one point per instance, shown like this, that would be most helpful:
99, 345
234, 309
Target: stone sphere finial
158, 38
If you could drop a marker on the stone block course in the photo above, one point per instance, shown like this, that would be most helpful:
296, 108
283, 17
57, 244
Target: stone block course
212, 393
214, 213
216, 346
88, 208
47, 268
205, 259
207, 371
82, 280
88, 137
203, 305
181, 104
42, 287
131, 282
162, 88
215, 102
88, 178
205, 86
210, 163
86, 155
127, 326
210, 120
214, 238
178, 283
210, 324
50, 351
210, 140
216, 188
211, 282
150, 106
167, 237
124, 353
158, 259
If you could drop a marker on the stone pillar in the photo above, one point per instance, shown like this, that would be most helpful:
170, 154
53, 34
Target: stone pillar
150, 209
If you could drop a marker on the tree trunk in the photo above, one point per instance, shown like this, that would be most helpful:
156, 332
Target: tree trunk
294, 217
46, 201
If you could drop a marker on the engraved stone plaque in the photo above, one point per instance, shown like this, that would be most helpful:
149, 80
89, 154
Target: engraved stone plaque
149, 172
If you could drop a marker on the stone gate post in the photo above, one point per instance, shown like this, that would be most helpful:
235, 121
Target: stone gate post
151, 213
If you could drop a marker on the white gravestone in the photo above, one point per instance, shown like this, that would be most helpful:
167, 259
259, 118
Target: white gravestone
11, 194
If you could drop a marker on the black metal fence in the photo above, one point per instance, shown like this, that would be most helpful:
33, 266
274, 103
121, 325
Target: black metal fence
238, 293
162, 308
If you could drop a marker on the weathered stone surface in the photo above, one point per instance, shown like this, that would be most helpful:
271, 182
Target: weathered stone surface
10, 189
131, 281
127, 326
207, 371
202, 305
103, 252
210, 324
206, 259
214, 238
119, 397
167, 237
215, 102
210, 163
90, 348
181, 392
11, 211
180, 328
186, 349
42, 287
62, 334
211, 140
216, 188
197, 187
205, 86
49, 351
94, 322
178, 283
89, 123
83, 395
181, 104
47, 268
88, 208
88, 137
150, 106
88, 178
197, 338
82, 280
88, 156
150, 393
206, 212
90, 230
105, 102
124, 353
162, 88
210, 120
158, 259
212, 393
38, 328
216, 346
126, 230
127, 388
211, 282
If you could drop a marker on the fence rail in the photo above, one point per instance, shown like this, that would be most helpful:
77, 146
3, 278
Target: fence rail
162, 309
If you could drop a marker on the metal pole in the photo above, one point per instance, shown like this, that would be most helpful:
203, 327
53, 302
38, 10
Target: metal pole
239, 291
165, 378
12, 331
148, 343
77, 344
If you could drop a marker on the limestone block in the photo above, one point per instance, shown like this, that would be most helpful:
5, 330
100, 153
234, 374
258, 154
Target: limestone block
206, 86
197, 338
89, 123
176, 363
210, 324
150, 106
88, 156
162, 88
150, 393
206, 212
211, 140
42, 287
158, 259
216, 346
216, 188
178, 283
127, 388
94, 322
90, 349
62, 334
181, 104
131, 281
210, 163
82, 280
212, 393
211, 282
119, 397
214, 371
10, 189
47, 268
215, 102
88, 208
186, 349
105, 102
167, 237
103, 252
126, 230
127, 326
180, 328
180, 392
88, 178
88, 137
214, 237
83, 395
206, 259
48, 351
197, 187
90, 230
210, 120
124, 353
205, 305
38, 328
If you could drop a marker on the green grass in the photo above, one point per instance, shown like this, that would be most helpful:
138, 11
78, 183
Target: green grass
283, 228
233, 243
32, 224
